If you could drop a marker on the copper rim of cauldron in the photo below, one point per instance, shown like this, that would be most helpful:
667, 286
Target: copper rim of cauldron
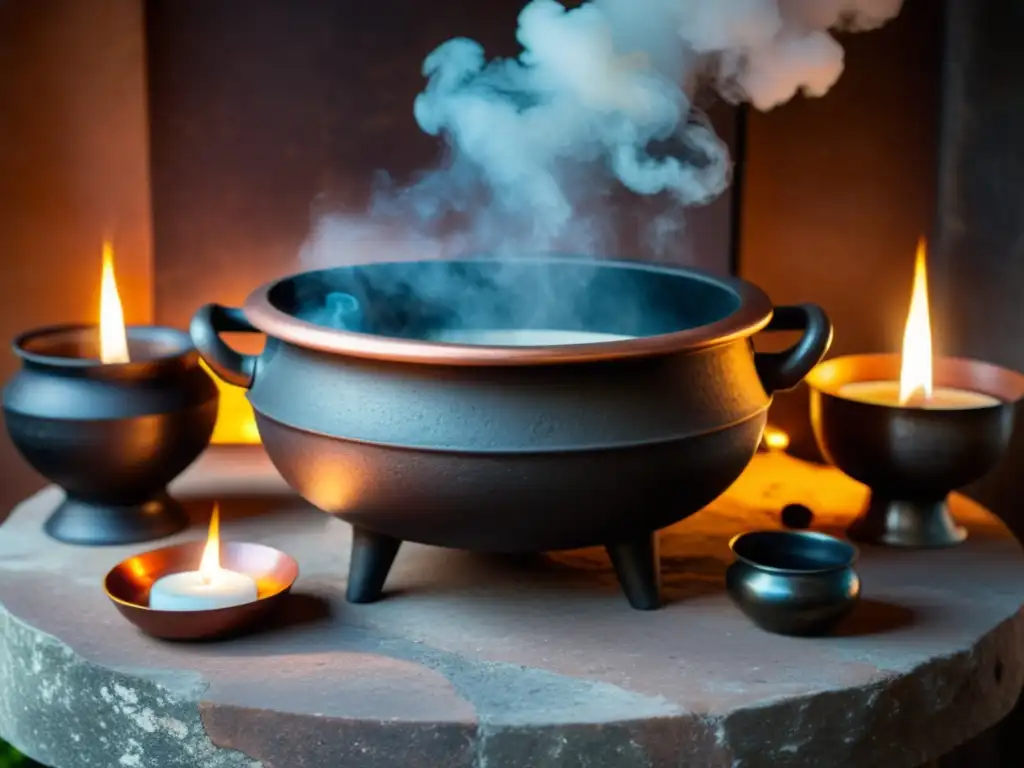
128, 583
168, 345
753, 314
960, 372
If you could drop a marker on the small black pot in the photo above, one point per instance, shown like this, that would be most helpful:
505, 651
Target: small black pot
111, 435
510, 448
793, 583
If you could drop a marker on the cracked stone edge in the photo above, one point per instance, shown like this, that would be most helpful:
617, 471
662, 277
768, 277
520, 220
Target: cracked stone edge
62, 710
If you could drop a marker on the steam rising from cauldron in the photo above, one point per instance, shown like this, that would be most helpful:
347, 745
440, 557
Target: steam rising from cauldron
601, 98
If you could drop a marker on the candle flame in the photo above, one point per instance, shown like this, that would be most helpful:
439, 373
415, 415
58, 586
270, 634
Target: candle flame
916, 365
775, 439
209, 566
113, 336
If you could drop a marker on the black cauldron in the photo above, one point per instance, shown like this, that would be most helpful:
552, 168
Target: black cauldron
370, 410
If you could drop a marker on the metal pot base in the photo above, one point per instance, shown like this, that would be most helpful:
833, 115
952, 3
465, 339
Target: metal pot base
910, 524
87, 523
635, 561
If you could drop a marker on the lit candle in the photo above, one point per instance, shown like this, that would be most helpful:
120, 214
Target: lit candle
916, 388
774, 439
113, 334
206, 589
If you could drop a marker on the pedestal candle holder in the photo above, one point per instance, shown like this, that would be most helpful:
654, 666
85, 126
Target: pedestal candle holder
128, 585
112, 435
913, 456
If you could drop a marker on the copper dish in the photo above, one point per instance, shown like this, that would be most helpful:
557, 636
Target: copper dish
128, 584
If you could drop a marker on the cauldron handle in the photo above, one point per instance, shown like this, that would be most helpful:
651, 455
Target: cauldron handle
206, 327
784, 370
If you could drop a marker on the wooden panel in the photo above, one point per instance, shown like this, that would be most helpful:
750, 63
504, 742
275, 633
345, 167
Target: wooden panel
838, 189
73, 169
260, 108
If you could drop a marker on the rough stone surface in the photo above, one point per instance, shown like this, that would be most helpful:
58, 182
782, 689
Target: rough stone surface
537, 662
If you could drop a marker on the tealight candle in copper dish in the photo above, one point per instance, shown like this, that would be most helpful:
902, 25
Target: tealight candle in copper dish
202, 590
111, 415
913, 428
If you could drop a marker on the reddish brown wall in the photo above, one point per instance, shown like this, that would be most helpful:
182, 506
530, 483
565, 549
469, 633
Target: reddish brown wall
73, 168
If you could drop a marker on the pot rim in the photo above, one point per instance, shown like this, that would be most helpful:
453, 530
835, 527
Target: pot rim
1004, 384
791, 540
753, 313
176, 345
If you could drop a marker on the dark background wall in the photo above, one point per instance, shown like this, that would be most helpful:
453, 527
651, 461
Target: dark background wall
980, 238
981, 208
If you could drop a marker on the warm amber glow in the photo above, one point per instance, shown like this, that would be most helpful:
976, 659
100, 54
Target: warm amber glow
775, 439
236, 424
916, 366
209, 566
113, 337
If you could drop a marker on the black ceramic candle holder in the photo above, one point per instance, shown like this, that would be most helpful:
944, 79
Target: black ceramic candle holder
911, 457
112, 435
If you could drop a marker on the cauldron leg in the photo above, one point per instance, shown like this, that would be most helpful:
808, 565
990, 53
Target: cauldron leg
371, 559
639, 571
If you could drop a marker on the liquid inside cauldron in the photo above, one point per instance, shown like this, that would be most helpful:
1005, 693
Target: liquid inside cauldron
527, 302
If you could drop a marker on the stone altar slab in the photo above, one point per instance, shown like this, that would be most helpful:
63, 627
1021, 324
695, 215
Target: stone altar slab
498, 662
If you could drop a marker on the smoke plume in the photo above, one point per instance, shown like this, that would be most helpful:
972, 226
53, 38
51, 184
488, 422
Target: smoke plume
600, 99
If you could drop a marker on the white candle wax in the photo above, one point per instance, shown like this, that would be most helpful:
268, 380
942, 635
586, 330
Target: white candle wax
942, 398
192, 591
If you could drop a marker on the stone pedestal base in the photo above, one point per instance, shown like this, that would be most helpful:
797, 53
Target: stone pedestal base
471, 661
